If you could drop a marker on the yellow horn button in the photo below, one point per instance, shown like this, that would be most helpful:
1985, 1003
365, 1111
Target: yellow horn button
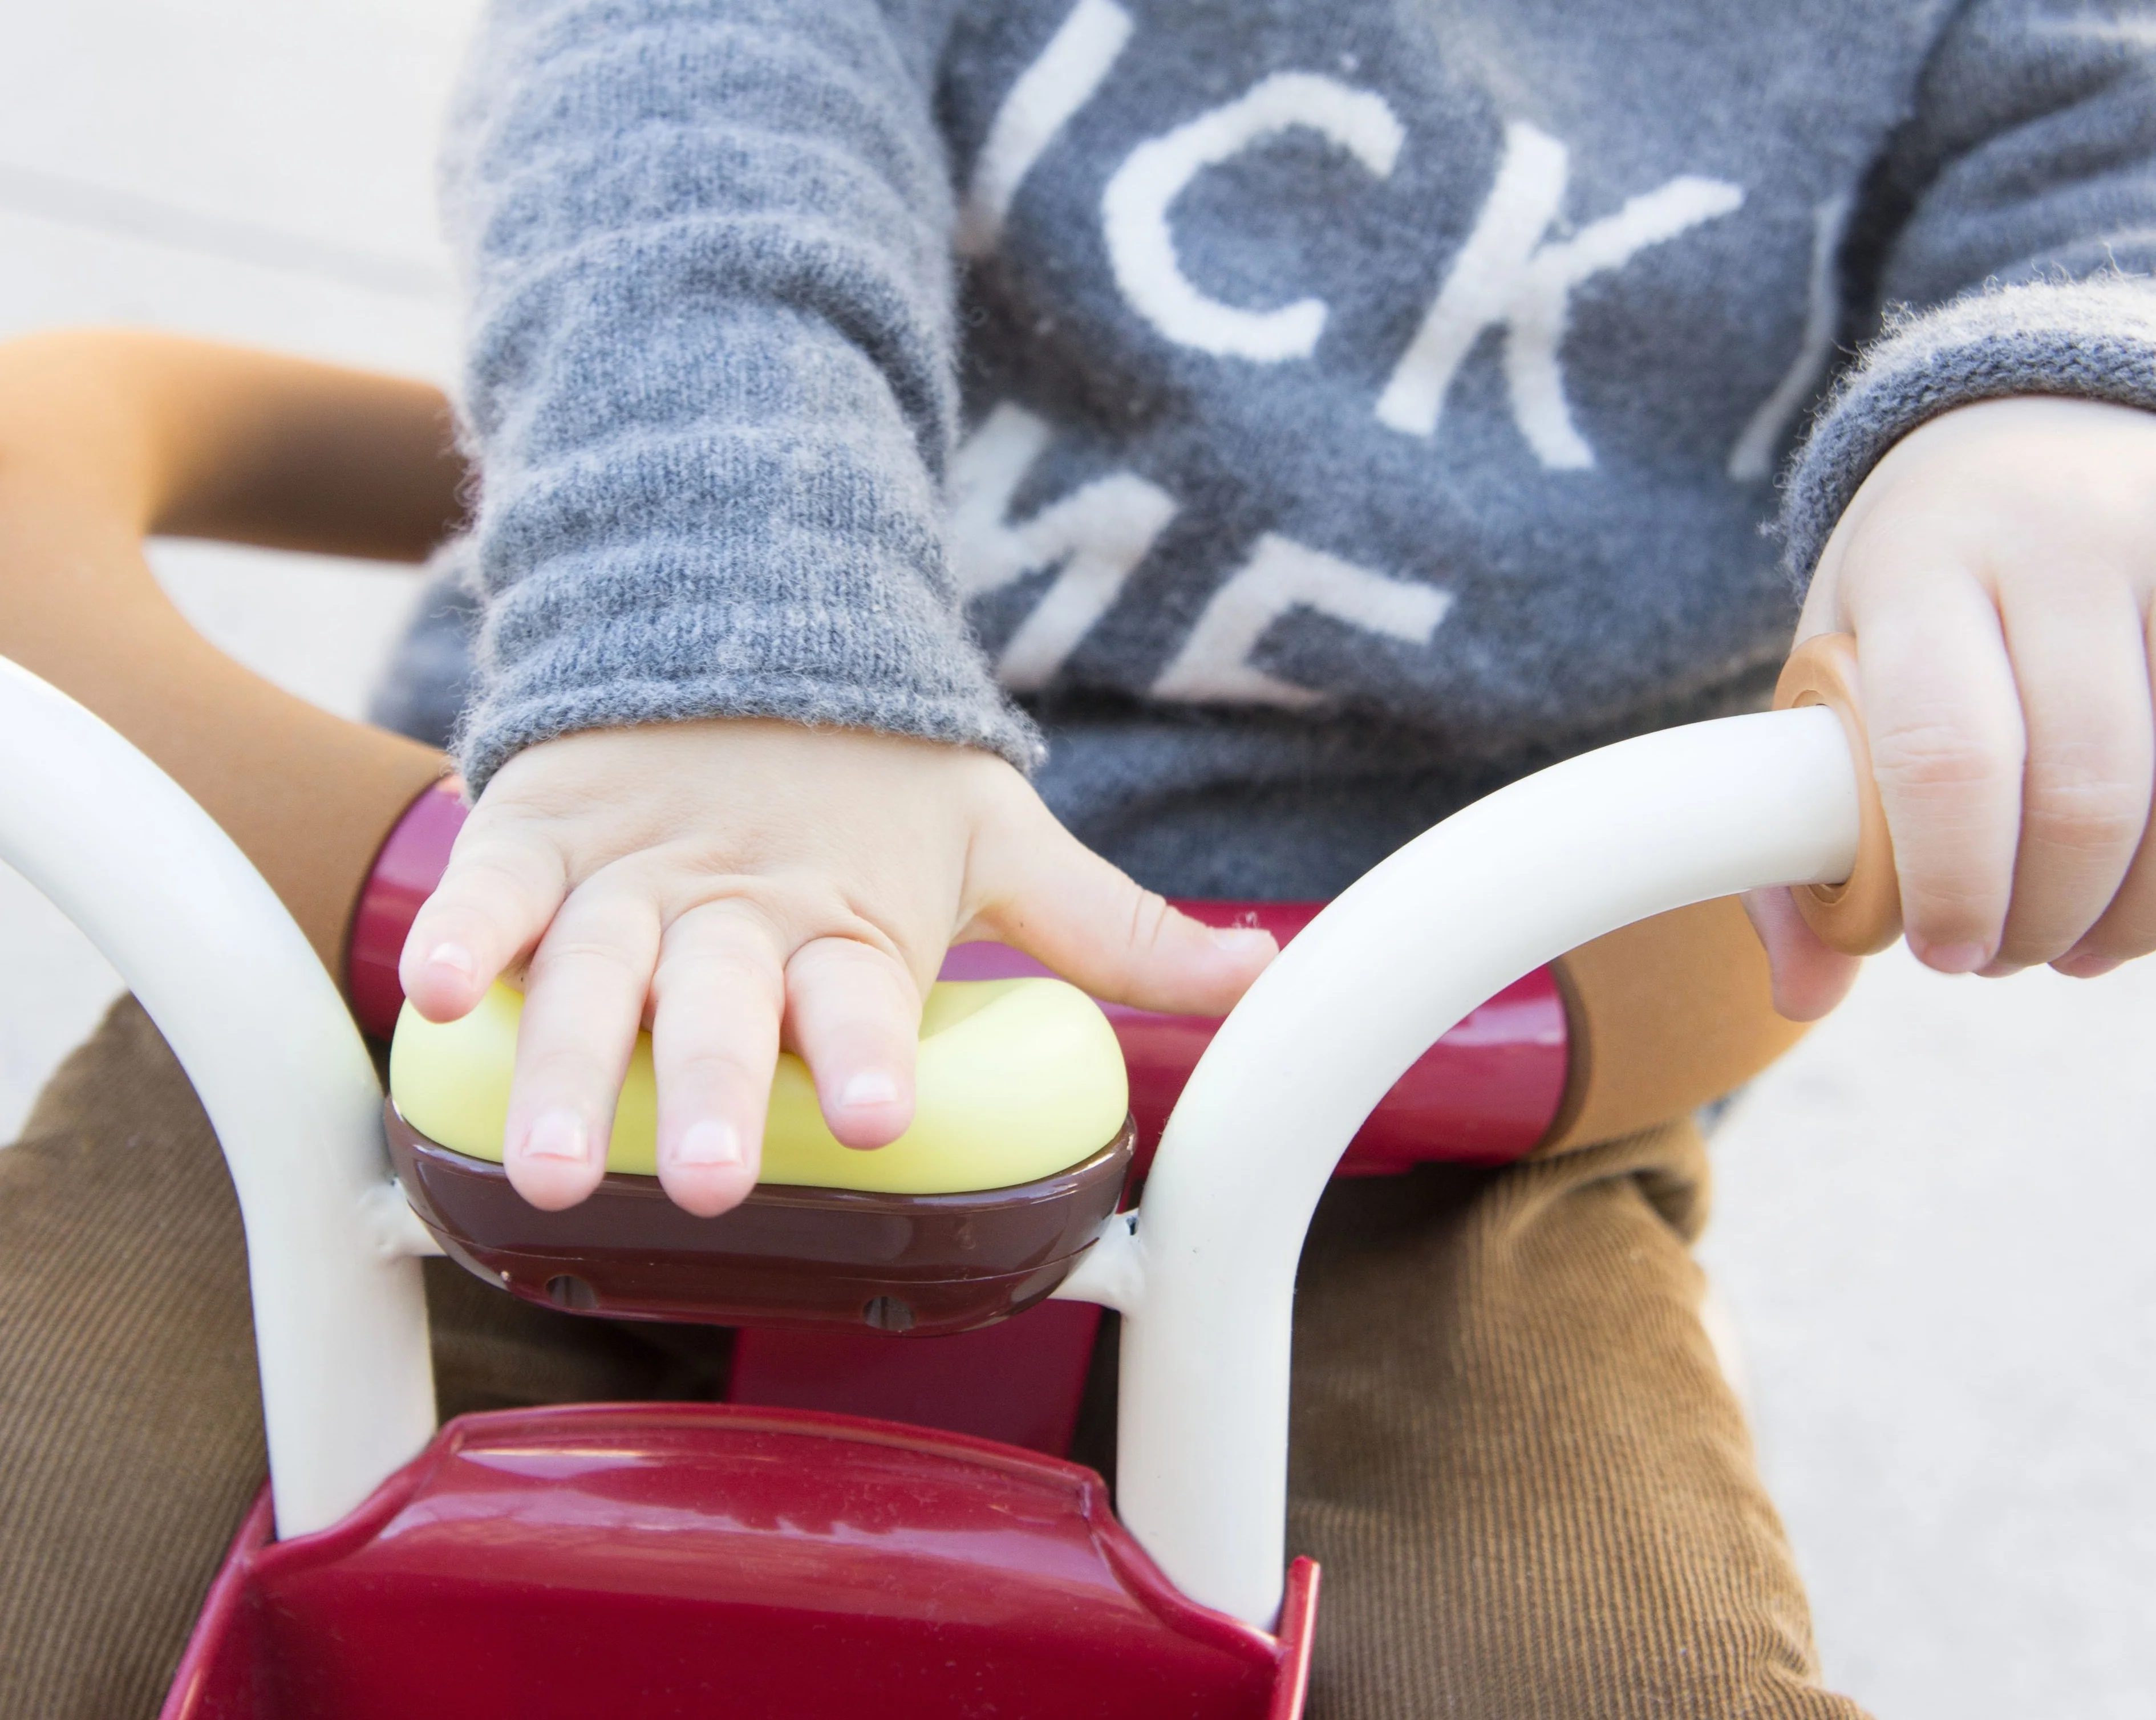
1018, 1079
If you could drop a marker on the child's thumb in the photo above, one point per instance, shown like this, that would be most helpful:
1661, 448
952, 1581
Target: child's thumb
1056, 900
1809, 979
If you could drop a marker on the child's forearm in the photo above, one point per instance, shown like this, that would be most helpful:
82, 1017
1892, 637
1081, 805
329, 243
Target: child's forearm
105, 437
711, 368
162, 435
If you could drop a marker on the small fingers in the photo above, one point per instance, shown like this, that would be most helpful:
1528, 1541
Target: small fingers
583, 1002
2118, 938
853, 1015
502, 885
1944, 717
2127, 928
1048, 893
718, 995
2081, 663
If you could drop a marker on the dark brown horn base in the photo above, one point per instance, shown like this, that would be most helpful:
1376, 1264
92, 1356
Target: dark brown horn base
916, 1265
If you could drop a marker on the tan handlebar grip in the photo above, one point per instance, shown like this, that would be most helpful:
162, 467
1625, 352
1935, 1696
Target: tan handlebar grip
1862, 915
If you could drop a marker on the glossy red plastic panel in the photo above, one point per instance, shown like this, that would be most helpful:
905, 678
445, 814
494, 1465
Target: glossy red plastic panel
1484, 1094
218, 1671
413, 856
691, 1560
1020, 1382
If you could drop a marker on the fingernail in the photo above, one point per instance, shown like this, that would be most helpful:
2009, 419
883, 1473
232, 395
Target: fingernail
455, 956
1956, 958
1238, 939
872, 1087
557, 1134
2082, 966
711, 1142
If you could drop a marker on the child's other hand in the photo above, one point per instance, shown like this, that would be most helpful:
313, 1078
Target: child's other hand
744, 886
1997, 569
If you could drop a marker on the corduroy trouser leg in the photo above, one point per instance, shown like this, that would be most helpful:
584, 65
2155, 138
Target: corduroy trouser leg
1515, 1458
131, 1421
1531, 1492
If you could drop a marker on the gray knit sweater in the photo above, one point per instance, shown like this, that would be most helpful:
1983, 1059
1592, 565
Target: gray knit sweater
1304, 417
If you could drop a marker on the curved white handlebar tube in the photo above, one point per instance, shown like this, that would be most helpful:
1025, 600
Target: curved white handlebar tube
1514, 881
340, 1323
1207, 1280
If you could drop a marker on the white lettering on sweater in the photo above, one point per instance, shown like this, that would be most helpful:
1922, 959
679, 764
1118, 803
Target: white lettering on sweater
1510, 276
1093, 538
1039, 105
1283, 576
1753, 454
1141, 242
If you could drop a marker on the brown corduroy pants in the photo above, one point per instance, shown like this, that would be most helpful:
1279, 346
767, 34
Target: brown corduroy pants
1531, 1492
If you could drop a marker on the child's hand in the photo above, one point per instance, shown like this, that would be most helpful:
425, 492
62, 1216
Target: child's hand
745, 886
1997, 569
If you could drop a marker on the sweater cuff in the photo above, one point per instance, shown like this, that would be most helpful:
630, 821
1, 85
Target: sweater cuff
2092, 340
497, 729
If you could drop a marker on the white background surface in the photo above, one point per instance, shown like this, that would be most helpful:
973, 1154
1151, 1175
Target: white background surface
1934, 1218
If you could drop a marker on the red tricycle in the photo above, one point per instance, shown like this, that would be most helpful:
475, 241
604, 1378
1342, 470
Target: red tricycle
647, 1559
880, 1520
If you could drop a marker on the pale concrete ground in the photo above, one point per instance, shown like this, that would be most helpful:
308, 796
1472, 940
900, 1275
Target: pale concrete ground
248, 171
1934, 1220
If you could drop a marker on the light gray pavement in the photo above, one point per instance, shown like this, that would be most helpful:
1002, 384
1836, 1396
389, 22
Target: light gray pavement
248, 171
1933, 1235
1935, 1217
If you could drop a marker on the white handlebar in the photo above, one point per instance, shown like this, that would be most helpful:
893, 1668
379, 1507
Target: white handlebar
340, 1320
1207, 1280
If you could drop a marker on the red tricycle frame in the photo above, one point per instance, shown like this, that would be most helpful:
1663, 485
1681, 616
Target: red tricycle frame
688, 1559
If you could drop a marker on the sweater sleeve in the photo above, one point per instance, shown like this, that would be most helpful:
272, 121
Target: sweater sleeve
710, 376
2026, 185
